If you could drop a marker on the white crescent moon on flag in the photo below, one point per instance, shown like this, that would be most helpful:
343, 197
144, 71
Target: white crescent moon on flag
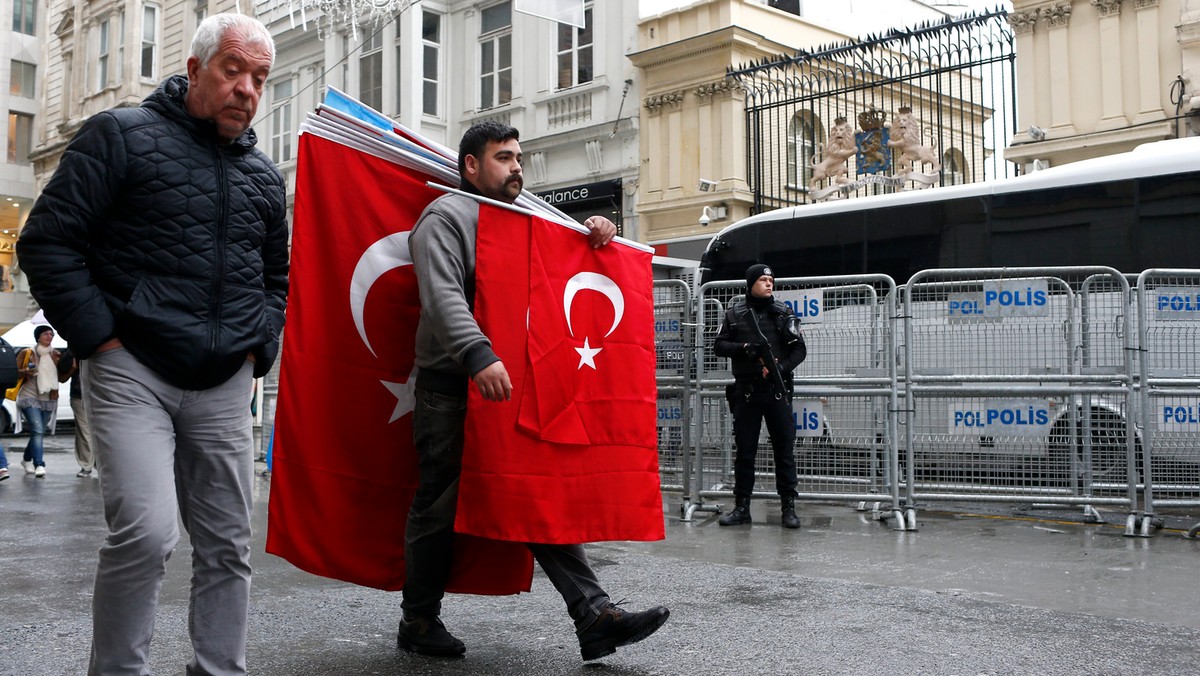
383, 256
595, 282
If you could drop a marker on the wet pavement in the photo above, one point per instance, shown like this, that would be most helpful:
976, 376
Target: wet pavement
995, 591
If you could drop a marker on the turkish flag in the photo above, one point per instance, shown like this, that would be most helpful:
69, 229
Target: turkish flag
596, 477
344, 469
590, 370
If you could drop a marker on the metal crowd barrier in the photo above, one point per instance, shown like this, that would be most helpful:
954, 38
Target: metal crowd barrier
673, 366
848, 377
1058, 387
1018, 384
1168, 310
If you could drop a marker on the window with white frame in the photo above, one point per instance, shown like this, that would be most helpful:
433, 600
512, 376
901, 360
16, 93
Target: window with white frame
200, 11
22, 79
370, 71
24, 17
283, 107
954, 166
345, 84
803, 132
431, 61
196, 14
150, 30
398, 83
103, 31
119, 65
575, 52
20, 137
68, 73
495, 55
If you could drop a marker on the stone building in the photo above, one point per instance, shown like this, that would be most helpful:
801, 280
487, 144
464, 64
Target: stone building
693, 140
438, 67
1097, 77
22, 80
98, 54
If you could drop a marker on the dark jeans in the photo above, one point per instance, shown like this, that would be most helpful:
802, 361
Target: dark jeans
429, 538
750, 408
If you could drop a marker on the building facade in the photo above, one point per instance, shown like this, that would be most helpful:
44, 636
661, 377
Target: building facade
1097, 77
693, 143
438, 67
22, 80
97, 55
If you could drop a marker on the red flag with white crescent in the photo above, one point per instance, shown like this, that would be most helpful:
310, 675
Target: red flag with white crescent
585, 467
590, 368
344, 468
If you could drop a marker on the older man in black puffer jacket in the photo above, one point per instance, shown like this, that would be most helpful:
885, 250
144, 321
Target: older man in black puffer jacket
159, 251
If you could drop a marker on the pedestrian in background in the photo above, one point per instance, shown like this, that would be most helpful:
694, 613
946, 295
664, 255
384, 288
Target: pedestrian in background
159, 250
452, 353
760, 337
3, 464
37, 398
68, 368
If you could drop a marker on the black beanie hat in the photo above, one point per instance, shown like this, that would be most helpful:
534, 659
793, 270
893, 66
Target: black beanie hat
37, 332
755, 271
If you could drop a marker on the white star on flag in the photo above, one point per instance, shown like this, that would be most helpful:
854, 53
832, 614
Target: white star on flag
587, 355
405, 397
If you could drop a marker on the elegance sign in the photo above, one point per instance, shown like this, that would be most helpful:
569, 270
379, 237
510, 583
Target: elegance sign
577, 194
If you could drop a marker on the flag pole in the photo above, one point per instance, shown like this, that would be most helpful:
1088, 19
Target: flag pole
391, 132
567, 223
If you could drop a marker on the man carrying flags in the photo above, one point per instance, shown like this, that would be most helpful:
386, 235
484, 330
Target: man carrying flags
451, 352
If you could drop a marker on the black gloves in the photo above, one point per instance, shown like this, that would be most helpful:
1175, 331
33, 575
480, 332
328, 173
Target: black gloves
755, 350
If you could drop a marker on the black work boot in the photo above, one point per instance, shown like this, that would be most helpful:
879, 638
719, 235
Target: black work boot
615, 628
739, 515
428, 636
788, 508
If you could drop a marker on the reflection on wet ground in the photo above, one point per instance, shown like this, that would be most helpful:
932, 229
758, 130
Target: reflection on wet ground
1052, 559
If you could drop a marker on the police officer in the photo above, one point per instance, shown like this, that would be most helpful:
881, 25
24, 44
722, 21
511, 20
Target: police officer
760, 337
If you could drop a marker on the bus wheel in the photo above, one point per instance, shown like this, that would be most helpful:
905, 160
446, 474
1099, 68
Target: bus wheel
1108, 447
1108, 450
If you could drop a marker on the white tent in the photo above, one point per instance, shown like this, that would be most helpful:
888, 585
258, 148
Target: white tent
21, 335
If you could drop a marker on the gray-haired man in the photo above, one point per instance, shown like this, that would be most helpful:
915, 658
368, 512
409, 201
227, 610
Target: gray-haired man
159, 251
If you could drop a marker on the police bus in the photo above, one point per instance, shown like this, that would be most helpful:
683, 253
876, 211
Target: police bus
1129, 211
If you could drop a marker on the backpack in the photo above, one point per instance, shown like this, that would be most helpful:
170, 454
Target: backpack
8, 365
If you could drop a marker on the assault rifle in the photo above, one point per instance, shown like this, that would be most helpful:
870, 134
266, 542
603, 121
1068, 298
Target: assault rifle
766, 357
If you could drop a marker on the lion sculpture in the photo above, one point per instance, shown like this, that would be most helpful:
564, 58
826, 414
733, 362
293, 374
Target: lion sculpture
906, 138
838, 148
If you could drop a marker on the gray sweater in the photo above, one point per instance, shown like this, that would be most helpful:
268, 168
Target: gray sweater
442, 243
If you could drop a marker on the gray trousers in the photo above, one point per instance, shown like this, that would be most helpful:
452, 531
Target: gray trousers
83, 435
167, 454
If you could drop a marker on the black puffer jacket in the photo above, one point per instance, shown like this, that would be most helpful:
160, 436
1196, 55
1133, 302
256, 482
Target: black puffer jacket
153, 231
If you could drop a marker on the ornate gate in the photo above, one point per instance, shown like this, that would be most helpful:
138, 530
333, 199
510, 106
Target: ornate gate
933, 105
